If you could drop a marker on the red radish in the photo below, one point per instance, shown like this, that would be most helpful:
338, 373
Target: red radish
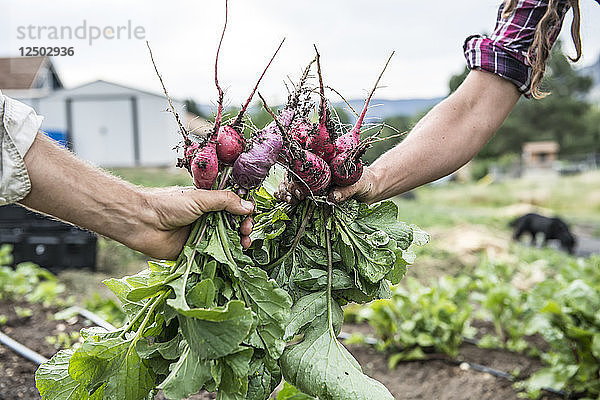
308, 168
202, 159
188, 153
230, 144
350, 140
252, 166
230, 141
204, 166
311, 170
294, 114
346, 166
288, 114
301, 130
322, 141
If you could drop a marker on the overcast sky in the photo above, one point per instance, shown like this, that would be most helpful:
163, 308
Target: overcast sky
354, 38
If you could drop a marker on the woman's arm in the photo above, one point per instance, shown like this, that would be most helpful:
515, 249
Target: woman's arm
450, 135
153, 221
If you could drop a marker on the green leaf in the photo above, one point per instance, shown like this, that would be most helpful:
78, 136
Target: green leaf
215, 247
187, 375
115, 362
316, 279
168, 350
399, 270
120, 287
310, 279
53, 381
161, 267
138, 294
407, 355
272, 306
550, 378
420, 237
202, 294
277, 229
305, 311
209, 270
133, 380
345, 249
291, 393
316, 256
179, 288
322, 367
232, 387
264, 376
239, 362
218, 331
371, 262
384, 217
596, 345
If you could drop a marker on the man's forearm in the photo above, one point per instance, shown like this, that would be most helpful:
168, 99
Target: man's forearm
71, 189
447, 137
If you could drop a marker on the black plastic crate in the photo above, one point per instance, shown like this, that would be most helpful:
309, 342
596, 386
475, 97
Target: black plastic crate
45, 241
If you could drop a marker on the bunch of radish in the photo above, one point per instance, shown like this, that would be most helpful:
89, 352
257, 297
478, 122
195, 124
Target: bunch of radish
317, 155
203, 156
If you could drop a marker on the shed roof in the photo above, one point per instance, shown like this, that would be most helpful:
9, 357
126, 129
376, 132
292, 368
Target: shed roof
18, 73
541, 147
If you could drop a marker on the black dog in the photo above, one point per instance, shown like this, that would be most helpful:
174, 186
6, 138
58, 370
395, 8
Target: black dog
553, 228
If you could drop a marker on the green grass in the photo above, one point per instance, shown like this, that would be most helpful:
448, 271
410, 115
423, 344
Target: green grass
154, 177
576, 198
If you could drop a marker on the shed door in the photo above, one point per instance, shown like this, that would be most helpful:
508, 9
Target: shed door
103, 131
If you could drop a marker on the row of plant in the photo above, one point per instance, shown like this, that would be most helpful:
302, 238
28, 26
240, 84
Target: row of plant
562, 308
29, 283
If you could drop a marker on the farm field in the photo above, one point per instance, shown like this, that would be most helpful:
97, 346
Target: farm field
471, 284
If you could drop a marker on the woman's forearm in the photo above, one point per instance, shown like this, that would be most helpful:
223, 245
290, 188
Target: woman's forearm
450, 135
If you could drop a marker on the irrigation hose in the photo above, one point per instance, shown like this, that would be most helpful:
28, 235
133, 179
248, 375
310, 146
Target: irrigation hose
37, 358
22, 350
96, 319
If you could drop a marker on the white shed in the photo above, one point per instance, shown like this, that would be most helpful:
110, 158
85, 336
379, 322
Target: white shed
112, 125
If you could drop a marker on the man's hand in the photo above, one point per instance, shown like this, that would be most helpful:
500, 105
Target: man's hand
176, 208
153, 221
362, 190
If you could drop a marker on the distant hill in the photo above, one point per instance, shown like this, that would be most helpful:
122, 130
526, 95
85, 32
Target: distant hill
379, 109
594, 72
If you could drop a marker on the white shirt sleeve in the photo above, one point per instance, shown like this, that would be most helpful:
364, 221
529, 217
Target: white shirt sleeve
18, 128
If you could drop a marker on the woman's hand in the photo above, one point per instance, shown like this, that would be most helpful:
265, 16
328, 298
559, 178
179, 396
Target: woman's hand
362, 190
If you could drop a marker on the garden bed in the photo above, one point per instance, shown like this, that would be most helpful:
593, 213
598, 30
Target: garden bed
18, 380
443, 378
437, 379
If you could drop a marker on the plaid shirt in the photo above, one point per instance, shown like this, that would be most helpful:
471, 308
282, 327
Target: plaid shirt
505, 52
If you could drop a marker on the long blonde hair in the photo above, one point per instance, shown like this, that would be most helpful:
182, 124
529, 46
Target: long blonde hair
543, 38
